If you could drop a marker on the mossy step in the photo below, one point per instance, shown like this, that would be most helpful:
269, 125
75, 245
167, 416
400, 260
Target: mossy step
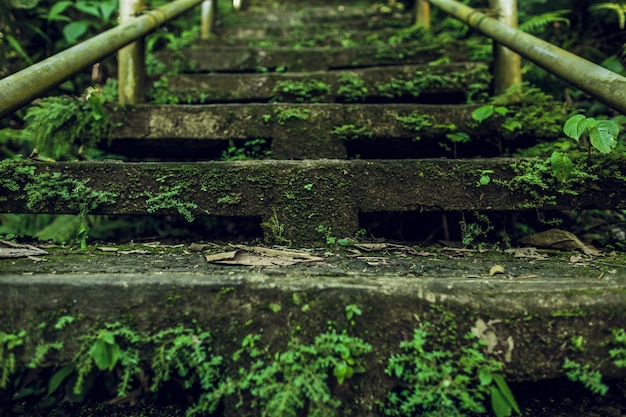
310, 131
294, 198
255, 59
530, 322
441, 83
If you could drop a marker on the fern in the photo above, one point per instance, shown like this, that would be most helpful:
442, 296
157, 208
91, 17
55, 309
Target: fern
535, 24
620, 10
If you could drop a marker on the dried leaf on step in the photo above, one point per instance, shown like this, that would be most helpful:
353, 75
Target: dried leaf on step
257, 256
15, 250
558, 239
496, 269
526, 253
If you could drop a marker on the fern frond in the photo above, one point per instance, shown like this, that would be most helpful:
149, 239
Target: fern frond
620, 9
535, 23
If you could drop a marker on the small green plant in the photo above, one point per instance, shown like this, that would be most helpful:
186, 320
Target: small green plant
415, 122
185, 354
167, 198
287, 113
484, 177
438, 383
618, 354
275, 230
327, 233
470, 231
601, 134
252, 149
297, 379
352, 88
112, 346
64, 127
230, 199
8, 343
313, 91
351, 132
590, 378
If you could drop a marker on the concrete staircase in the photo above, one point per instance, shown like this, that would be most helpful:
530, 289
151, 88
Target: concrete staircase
350, 131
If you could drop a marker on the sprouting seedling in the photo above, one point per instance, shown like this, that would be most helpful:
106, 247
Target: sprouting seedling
602, 134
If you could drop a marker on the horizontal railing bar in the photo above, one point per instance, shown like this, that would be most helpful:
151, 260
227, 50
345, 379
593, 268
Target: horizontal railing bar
593, 79
21, 88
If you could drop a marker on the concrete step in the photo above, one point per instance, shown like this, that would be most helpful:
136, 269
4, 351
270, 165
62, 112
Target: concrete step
443, 83
301, 131
294, 199
254, 59
527, 315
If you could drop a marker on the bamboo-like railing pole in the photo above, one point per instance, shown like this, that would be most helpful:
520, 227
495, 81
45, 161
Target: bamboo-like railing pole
131, 60
208, 13
422, 13
507, 64
593, 79
20, 88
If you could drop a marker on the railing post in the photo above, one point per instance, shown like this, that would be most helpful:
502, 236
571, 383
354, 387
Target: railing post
131, 62
207, 25
422, 13
507, 65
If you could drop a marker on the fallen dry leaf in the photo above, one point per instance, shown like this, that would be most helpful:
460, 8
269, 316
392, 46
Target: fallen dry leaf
526, 253
496, 269
258, 256
15, 250
558, 239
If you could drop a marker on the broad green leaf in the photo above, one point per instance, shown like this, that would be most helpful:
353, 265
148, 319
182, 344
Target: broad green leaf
506, 392
499, 404
458, 137
75, 30
58, 377
602, 139
18, 48
511, 125
608, 125
56, 11
89, 7
483, 112
561, 165
501, 110
575, 126
485, 376
107, 9
105, 355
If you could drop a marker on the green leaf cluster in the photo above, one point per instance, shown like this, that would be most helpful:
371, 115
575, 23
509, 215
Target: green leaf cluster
312, 91
602, 134
590, 378
436, 382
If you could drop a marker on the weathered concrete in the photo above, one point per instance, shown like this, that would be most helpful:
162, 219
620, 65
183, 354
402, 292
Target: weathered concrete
234, 58
535, 309
449, 80
305, 131
284, 193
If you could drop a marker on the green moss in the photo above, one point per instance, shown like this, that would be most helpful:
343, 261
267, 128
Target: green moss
312, 91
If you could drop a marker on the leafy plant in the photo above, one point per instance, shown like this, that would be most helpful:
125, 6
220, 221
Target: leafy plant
112, 346
351, 88
313, 91
283, 114
415, 122
252, 149
186, 354
590, 378
8, 343
167, 198
436, 382
619, 353
351, 132
602, 134
297, 379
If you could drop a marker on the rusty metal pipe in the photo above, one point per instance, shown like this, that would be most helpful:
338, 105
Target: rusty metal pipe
593, 79
21, 88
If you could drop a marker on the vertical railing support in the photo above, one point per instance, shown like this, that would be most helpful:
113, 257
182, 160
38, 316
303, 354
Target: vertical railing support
507, 65
207, 25
131, 63
422, 13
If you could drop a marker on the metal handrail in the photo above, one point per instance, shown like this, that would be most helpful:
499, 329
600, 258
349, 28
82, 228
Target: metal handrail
21, 88
593, 79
